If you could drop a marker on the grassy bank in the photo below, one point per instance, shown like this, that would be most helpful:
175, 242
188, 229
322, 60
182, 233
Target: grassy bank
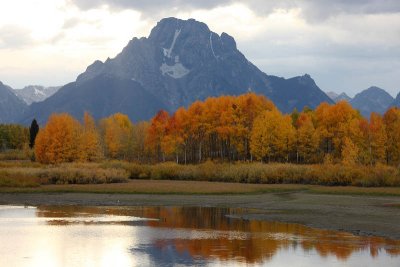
201, 188
29, 174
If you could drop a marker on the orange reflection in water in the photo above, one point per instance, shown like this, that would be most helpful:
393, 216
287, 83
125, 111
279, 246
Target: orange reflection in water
227, 237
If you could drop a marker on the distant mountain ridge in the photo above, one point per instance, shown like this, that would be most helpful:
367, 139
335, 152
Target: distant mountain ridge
373, 99
180, 62
332, 95
11, 107
396, 101
35, 93
338, 97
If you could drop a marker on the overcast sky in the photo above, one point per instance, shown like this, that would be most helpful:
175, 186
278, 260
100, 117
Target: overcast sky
344, 45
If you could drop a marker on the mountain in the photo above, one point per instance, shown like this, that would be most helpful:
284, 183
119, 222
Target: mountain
373, 99
332, 95
35, 93
396, 102
338, 97
180, 62
102, 97
342, 96
11, 107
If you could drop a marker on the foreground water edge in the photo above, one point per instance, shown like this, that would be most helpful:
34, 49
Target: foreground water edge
145, 236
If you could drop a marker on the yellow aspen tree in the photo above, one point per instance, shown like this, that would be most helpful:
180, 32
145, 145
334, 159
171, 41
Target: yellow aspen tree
272, 136
90, 147
349, 152
392, 126
307, 139
117, 135
139, 136
378, 138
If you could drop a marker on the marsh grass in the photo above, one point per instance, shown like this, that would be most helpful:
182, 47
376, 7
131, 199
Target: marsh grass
275, 173
17, 154
28, 173
62, 174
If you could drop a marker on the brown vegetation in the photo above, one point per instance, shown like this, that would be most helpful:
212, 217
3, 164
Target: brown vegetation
249, 173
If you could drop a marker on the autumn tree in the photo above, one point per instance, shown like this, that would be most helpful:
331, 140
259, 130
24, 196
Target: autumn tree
198, 128
117, 131
249, 107
13, 136
334, 123
59, 140
391, 120
307, 138
174, 137
156, 133
349, 152
272, 136
139, 133
377, 138
90, 145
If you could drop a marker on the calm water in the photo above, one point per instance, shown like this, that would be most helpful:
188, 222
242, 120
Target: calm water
175, 236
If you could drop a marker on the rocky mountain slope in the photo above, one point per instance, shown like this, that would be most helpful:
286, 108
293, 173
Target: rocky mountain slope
373, 99
396, 102
11, 107
180, 62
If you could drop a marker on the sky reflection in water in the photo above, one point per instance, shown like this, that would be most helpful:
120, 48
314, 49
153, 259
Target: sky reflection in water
170, 236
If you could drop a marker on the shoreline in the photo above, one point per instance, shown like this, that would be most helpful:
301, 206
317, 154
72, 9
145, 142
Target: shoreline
358, 214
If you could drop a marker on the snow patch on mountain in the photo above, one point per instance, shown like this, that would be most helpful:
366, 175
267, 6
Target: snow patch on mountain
175, 71
167, 52
211, 45
35, 93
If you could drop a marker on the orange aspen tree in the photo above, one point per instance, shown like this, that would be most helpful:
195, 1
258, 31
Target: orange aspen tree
198, 127
156, 133
59, 140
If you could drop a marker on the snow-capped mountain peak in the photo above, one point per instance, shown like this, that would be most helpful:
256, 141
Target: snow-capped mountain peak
35, 93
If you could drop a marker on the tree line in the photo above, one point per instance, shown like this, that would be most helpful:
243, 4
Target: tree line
228, 128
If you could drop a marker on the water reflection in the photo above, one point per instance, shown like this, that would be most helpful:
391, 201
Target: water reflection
169, 236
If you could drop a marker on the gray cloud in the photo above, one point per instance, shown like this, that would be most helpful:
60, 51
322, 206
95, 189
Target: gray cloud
312, 10
12, 36
323, 9
150, 7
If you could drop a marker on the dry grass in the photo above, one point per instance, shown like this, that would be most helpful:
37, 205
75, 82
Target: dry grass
16, 154
243, 173
163, 187
200, 187
275, 173
62, 174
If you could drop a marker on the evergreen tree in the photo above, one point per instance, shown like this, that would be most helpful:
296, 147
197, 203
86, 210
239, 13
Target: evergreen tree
33, 131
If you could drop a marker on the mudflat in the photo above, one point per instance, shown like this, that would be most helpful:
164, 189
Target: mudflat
358, 214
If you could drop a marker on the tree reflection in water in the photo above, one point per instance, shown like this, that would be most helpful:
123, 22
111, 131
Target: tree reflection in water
217, 233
